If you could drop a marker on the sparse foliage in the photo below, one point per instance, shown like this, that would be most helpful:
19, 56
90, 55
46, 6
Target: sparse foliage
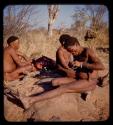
80, 19
90, 13
96, 16
91, 17
16, 21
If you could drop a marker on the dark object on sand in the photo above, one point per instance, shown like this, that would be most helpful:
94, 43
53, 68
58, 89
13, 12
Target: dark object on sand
50, 73
102, 80
49, 68
89, 35
46, 62
102, 49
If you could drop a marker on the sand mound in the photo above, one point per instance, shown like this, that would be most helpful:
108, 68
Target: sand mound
67, 107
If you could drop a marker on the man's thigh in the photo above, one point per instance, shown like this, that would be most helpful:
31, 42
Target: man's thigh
80, 85
14, 75
62, 80
11, 76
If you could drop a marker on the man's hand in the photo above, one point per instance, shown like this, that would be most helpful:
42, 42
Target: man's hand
29, 61
76, 63
71, 73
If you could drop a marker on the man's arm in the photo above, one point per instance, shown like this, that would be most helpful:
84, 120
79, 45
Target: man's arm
62, 59
16, 58
70, 72
96, 65
23, 56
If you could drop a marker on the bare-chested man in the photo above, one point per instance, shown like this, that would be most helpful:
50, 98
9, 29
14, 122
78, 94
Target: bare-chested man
64, 57
13, 66
85, 64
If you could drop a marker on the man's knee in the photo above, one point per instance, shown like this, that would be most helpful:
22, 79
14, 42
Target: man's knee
55, 82
71, 75
64, 89
10, 76
93, 86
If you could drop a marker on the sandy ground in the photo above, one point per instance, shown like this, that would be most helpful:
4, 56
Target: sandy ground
67, 107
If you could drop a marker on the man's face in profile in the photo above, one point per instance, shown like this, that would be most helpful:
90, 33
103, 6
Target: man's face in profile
39, 65
74, 49
15, 44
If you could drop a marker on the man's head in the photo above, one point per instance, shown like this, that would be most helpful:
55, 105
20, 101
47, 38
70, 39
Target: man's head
64, 38
73, 46
38, 64
13, 41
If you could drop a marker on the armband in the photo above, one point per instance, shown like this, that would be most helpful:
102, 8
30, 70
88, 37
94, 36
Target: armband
81, 65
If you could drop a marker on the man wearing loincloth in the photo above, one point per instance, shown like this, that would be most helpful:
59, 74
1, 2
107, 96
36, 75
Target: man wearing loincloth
14, 67
85, 65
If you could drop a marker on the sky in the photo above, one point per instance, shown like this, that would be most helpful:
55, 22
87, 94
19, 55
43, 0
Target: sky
64, 17
40, 19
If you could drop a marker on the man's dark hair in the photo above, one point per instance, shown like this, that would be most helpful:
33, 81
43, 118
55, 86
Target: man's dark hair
64, 38
11, 39
45, 61
72, 41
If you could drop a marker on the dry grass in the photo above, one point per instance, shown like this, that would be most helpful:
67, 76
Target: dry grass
36, 43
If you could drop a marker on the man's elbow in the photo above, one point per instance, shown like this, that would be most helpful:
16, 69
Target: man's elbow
102, 67
99, 66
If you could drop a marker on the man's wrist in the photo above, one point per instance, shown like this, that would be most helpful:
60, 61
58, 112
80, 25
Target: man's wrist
81, 64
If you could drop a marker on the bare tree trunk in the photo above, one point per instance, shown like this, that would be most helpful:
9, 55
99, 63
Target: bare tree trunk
50, 29
53, 13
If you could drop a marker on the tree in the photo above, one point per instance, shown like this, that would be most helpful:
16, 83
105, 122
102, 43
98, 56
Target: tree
96, 14
89, 13
16, 20
53, 13
80, 19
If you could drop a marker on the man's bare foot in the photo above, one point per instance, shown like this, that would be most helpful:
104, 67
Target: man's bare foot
105, 83
104, 80
86, 95
35, 90
26, 101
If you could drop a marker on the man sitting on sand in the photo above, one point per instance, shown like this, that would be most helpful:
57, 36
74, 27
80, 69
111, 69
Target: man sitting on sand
14, 68
85, 65
64, 57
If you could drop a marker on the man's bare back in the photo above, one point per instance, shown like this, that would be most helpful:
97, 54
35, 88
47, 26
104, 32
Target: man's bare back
9, 64
63, 57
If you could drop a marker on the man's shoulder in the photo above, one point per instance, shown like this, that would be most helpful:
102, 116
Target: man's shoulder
60, 49
90, 51
9, 50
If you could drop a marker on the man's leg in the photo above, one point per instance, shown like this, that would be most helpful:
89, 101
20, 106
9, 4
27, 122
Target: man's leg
16, 74
75, 86
63, 80
12, 76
